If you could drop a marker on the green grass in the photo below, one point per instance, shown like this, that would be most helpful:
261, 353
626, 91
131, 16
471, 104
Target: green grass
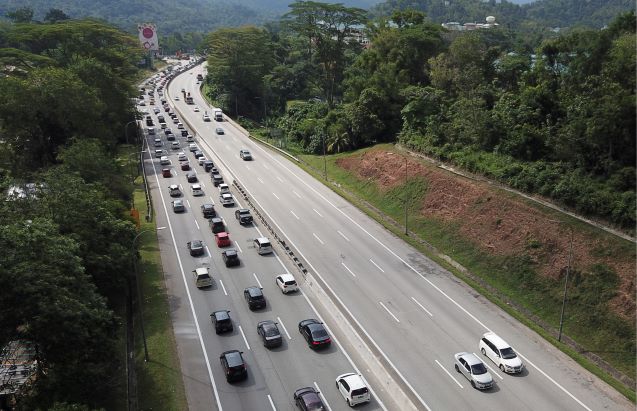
160, 383
502, 278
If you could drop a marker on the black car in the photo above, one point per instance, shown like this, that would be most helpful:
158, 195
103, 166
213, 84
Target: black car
269, 333
184, 133
315, 333
170, 137
216, 179
233, 365
307, 399
198, 153
195, 247
221, 321
254, 297
230, 257
208, 165
217, 225
208, 210
191, 177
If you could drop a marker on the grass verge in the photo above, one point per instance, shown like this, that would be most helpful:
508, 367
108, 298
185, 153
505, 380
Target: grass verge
160, 383
491, 276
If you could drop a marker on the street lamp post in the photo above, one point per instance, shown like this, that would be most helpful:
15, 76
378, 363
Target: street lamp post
324, 158
139, 293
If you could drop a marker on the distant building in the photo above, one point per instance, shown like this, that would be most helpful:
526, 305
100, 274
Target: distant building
18, 365
456, 26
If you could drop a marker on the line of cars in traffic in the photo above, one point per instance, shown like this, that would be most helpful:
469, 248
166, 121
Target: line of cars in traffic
351, 386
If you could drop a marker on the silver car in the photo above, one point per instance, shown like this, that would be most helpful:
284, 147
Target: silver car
474, 370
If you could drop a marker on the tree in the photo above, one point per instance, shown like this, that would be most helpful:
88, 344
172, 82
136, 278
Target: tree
21, 15
55, 15
239, 59
328, 29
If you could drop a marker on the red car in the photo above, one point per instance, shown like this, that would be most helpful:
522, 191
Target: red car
222, 239
185, 166
166, 172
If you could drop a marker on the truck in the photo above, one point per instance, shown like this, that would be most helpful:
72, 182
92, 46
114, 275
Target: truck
218, 114
244, 216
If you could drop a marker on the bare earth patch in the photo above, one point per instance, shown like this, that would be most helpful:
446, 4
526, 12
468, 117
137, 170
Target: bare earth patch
498, 222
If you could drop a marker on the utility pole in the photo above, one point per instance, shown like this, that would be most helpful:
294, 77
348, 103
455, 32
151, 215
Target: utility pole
406, 230
568, 270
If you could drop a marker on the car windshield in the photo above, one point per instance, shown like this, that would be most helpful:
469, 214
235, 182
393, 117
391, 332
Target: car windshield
319, 334
478, 369
508, 353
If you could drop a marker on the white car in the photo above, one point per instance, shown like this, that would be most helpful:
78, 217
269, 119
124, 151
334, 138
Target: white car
206, 117
175, 145
190, 138
353, 388
176, 98
182, 157
226, 200
196, 190
175, 121
474, 370
201, 160
286, 283
180, 126
224, 188
501, 353
193, 147
196, 109
158, 142
163, 160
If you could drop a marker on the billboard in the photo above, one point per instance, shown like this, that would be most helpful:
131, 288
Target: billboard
148, 36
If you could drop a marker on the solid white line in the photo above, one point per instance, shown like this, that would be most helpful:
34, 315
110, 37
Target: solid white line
297, 217
260, 181
449, 374
317, 237
222, 287
389, 312
349, 359
256, 278
377, 266
197, 224
208, 251
347, 268
553, 381
211, 200
322, 396
492, 370
237, 244
421, 306
180, 187
284, 329
244, 337
342, 235
277, 197
296, 194
192, 307
319, 214
271, 403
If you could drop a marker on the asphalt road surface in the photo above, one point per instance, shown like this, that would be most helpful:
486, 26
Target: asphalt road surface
415, 314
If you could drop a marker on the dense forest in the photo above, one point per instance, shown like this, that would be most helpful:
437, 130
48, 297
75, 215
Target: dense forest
557, 120
64, 104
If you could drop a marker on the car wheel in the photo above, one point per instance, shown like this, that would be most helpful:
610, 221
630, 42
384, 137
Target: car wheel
502, 368
347, 401
473, 384
483, 352
457, 369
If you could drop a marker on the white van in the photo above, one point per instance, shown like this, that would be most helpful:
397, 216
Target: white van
501, 353
263, 245
202, 277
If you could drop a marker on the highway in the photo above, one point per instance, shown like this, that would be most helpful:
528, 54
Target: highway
414, 313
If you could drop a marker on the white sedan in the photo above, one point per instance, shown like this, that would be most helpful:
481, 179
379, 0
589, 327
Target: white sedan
196, 109
353, 388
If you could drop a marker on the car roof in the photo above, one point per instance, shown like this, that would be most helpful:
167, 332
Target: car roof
268, 324
196, 186
287, 277
254, 290
207, 205
353, 380
233, 357
221, 314
222, 234
230, 251
470, 358
173, 186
